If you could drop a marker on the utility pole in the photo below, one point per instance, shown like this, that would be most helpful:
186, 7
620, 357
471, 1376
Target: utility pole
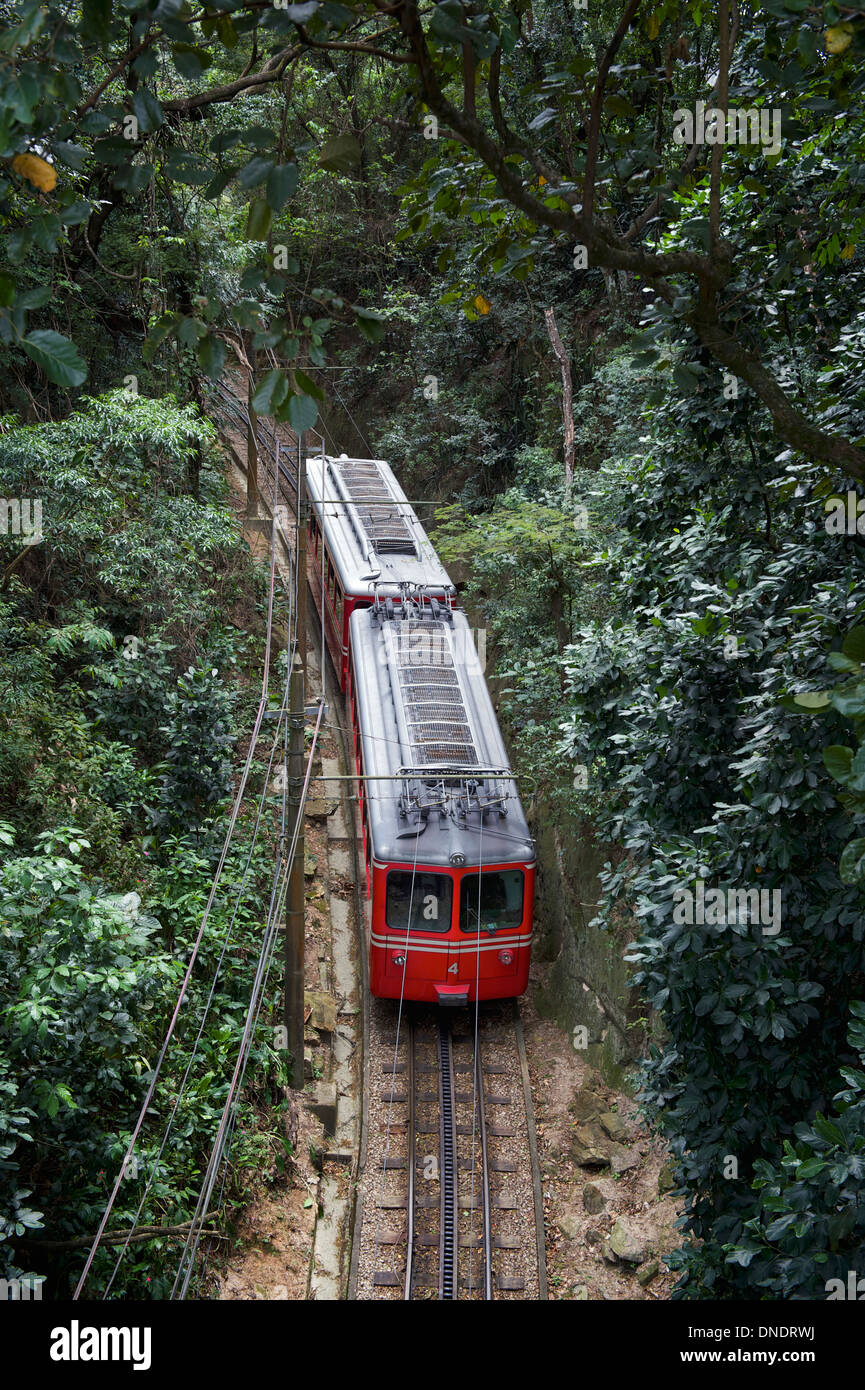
295, 917
302, 529
252, 505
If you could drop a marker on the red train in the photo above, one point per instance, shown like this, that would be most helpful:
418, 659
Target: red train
450, 863
372, 543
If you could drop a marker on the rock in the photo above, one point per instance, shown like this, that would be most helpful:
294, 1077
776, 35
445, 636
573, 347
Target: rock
310, 864
589, 1147
614, 1126
647, 1272
323, 1006
624, 1246
569, 1225
581, 1293
586, 1105
666, 1178
594, 1200
319, 810
593, 1237
232, 1286
623, 1159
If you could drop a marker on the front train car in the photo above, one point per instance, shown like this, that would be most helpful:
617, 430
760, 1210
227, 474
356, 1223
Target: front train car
364, 539
450, 862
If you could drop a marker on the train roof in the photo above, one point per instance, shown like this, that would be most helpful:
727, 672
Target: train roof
372, 532
428, 726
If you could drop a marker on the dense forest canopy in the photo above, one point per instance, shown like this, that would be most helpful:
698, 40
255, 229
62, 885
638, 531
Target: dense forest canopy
367, 213
124, 108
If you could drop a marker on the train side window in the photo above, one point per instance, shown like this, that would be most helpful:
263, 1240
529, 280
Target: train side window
428, 899
501, 900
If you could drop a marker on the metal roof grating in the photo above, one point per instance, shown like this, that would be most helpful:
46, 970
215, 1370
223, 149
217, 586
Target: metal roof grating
437, 722
377, 510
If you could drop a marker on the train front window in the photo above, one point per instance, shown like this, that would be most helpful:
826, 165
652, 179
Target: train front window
428, 899
498, 904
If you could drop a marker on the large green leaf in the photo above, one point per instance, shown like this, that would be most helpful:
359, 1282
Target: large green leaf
211, 355
258, 220
57, 356
370, 323
270, 393
837, 760
852, 866
340, 154
281, 183
302, 412
148, 111
255, 172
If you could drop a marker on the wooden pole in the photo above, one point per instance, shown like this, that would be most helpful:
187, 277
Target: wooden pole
295, 918
252, 504
567, 395
302, 529
295, 905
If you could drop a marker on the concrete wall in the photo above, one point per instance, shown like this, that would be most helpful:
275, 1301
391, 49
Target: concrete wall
587, 980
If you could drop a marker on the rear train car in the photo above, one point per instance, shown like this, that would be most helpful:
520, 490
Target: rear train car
364, 540
450, 863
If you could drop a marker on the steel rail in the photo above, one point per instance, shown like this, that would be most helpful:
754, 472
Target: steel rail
265, 437
448, 1160
485, 1175
411, 1161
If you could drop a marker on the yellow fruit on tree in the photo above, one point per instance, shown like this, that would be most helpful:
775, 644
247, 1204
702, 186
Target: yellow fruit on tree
838, 38
37, 171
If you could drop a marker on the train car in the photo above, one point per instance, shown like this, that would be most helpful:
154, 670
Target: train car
450, 862
364, 540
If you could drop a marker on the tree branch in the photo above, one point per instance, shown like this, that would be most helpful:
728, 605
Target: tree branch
607, 249
271, 72
721, 105
597, 105
691, 157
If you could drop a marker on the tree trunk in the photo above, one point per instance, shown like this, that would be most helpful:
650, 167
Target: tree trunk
567, 396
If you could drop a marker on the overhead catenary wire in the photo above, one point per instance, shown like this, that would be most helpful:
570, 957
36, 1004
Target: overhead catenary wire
209, 904
280, 886
154, 1168
411, 1157
235, 810
185, 1269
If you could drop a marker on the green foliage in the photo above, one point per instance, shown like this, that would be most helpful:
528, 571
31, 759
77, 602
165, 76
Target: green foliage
119, 668
847, 765
727, 591
810, 1211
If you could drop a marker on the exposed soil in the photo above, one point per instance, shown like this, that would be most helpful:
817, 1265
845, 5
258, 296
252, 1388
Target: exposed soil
570, 1099
270, 1252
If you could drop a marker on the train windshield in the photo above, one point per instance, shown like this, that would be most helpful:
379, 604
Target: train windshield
428, 899
498, 904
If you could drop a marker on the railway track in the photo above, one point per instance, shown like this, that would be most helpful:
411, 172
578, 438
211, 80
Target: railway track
235, 413
449, 1204
449, 1209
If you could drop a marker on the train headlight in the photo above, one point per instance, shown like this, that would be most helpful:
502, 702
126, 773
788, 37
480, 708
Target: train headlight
506, 957
458, 859
398, 960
